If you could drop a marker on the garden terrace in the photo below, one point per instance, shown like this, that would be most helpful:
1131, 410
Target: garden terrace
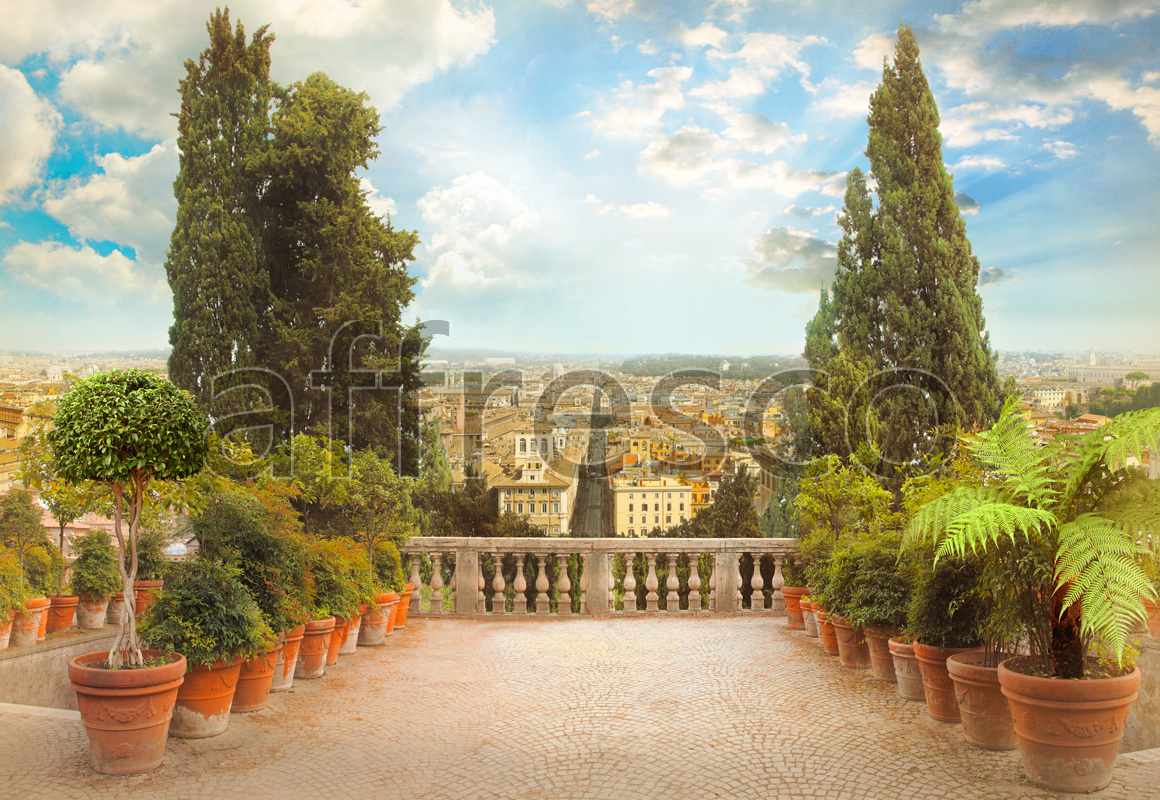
728, 587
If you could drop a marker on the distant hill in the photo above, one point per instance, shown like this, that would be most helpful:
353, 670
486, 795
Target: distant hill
740, 367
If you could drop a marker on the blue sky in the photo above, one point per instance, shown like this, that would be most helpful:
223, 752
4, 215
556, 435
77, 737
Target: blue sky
609, 175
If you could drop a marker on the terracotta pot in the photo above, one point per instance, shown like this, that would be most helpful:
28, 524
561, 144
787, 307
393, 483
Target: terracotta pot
986, 716
350, 633
1153, 618
340, 626
392, 611
827, 634
143, 595
881, 662
91, 613
254, 680
940, 691
6, 628
203, 701
62, 612
853, 651
810, 618
42, 625
793, 610
1069, 730
404, 605
26, 624
907, 673
113, 614
315, 645
287, 659
373, 630
126, 712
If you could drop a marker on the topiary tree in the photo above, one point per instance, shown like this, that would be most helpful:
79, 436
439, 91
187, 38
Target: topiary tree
125, 429
20, 528
94, 573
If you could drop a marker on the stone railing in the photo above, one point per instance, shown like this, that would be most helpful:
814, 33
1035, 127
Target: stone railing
477, 589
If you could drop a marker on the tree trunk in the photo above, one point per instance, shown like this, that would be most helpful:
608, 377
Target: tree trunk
1066, 641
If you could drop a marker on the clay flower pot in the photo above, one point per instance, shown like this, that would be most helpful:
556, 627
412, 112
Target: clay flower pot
907, 673
881, 662
287, 659
392, 610
92, 612
793, 610
853, 651
126, 712
336, 636
810, 618
940, 691
828, 635
1153, 618
143, 595
986, 716
26, 624
404, 605
254, 681
1069, 731
350, 634
203, 701
6, 628
42, 625
315, 645
373, 630
113, 614
62, 611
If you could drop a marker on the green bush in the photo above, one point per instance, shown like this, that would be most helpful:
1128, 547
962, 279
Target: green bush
947, 609
14, 589
205, 613
335, 592
869, 585
44, 569
94, 573
388, 565
151, 562
362, 572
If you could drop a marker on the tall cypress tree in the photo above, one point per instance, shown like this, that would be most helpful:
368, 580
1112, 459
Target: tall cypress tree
215, 269
905, 302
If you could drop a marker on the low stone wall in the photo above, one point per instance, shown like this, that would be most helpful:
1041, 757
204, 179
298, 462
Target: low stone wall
1142, 731
38, 675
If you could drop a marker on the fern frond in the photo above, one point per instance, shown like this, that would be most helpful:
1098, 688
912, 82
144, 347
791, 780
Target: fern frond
1133, 504
930, 521
1132, 434
1096, 564
1007, 448
986, 526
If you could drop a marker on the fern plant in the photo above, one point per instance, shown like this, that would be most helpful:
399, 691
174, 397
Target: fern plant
1072, 522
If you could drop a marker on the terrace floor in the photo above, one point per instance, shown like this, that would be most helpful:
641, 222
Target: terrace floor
561, 709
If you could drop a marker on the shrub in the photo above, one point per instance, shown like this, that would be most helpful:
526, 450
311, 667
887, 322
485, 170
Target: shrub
43, 569
872, 584
14, 589
947, 609
335, 592
94, 573
388, 566
206, 614
151, 562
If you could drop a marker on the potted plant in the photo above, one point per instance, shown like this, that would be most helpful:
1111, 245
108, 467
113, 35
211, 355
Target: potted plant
43, 566
94, 578
336, 596
388, 571
1072, 521
13, 593
368, 588
125, 429
206, 614
151, 565
809, 616
876, 583
793, 591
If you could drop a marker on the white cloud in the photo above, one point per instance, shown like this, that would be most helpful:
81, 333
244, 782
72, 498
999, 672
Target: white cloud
591, 154
129, 202
987, 121
872, 50
610, 10
638, 110
845, 99
993, 276
754, 132
968, 206
28, 128
378, 204
475, 223
761, 59
1061, 149
789, 260
649, 47
706, 35
808, 212
984, 17
1143, 101
80, 273
981, 162
649, 210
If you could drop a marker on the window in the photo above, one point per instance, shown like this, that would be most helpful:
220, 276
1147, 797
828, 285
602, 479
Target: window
543, 445
630, 495
669, 495
555, 493
523, 445
533, 445
531, 492
657, 519
630, 519
543, 508
555, 508
631, 532
668, 519
508, 507
519, 508
668, 506
656, 495
656, 506
682, 507
630, 506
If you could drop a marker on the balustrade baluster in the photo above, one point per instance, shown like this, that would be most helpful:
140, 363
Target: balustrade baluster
629, 584
650, 583
757, 600
584, 584
452, 585
694, 584
778, 602
436, 583
715, 562
416, 583
480, 587
739, 600
498, 601
542, 598
564, 584
673, 583
520, 605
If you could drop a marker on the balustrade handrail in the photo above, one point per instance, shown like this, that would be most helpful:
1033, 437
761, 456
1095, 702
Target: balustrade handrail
501, 544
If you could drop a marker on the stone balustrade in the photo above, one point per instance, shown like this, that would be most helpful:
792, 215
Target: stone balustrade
700, 576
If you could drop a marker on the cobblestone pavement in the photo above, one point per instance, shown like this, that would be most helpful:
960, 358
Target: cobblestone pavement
602, 709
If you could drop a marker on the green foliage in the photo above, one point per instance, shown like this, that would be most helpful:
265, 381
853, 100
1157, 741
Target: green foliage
205, 613
947, 608
94, 573
388, 566
336, 594
20, 528
362, 572
732, 514
1071, 521
259, 535
44, 569
14, 590
870, 584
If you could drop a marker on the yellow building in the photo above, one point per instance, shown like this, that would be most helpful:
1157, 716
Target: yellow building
641, 504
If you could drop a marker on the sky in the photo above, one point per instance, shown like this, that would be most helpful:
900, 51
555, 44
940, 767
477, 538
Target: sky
612, 176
